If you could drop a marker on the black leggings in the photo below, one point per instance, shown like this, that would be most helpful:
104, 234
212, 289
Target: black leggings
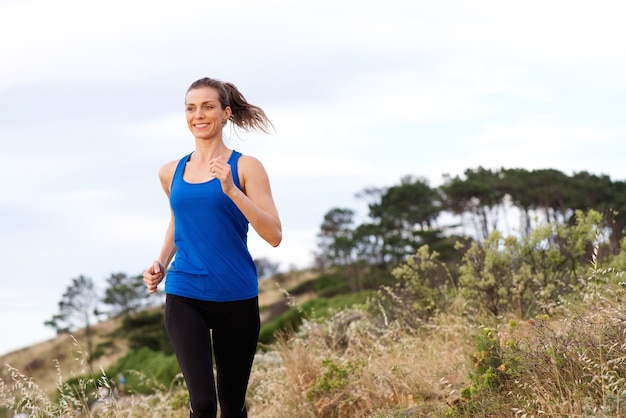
235, 332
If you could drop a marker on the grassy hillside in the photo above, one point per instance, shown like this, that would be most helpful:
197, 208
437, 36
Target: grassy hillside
65, 355
46, 360
426, 343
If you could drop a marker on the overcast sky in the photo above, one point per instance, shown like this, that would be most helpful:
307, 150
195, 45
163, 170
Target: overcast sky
361, 93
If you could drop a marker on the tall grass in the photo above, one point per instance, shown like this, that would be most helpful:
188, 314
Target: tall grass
570, 365
359, 364
84, 394
355, 365
412, 351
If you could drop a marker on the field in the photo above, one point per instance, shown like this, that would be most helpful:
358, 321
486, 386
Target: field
378, 359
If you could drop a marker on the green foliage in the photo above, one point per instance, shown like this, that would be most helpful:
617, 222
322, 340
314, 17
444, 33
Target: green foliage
424, 284
146, 329
334, 379
531, 274
487, 274
495, 364
480, 195
101, 349
318, 309
322, 308
404, 217
288, 321
488, 360
144, 369
572, 367
76, 306
336, 237
325, 285
619, 262
329, 285
125, 294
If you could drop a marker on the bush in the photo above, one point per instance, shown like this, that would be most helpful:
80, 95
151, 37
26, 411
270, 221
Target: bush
317, 309
529, 275
146, 329
144, 368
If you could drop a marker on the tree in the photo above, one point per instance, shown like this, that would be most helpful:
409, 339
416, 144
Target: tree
338, 245
404, 216
125, 294
550, 190
515, 185
480, 194
76, 309
335, 236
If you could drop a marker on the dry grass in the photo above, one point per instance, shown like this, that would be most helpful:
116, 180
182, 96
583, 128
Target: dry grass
578, 367
366, 363
44, 361
356, 364
37, 372
345, 367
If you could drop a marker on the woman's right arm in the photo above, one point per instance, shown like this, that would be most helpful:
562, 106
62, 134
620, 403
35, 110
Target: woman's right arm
156, 272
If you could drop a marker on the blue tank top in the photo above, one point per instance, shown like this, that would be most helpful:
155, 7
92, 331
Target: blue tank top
212, 260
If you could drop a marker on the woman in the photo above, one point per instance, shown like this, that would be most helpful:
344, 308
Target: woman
211, 307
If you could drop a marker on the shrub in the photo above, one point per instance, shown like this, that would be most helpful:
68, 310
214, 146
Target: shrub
529, 275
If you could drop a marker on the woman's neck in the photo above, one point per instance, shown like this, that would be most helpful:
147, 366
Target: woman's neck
206, 151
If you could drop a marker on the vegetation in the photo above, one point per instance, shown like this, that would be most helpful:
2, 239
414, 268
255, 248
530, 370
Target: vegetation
406, 316
76, 307
125, 294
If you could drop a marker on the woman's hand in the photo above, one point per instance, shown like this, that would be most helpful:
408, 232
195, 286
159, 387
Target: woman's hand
154, 275
221, 171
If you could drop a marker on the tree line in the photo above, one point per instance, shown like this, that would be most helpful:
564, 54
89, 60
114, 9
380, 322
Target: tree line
404, 217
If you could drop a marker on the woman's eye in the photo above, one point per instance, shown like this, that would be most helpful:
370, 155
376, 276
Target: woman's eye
189, 109
208, 107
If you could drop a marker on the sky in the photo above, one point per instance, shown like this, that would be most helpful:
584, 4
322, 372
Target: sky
361, 94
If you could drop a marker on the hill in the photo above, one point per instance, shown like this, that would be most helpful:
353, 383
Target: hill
498, 335
65, 356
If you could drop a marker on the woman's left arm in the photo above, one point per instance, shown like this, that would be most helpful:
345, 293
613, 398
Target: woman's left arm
256, 201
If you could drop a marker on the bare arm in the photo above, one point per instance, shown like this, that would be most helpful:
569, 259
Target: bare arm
156, 272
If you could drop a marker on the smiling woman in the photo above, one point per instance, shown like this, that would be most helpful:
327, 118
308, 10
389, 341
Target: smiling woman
211, 308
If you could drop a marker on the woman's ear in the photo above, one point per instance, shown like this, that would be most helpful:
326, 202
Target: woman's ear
228, 114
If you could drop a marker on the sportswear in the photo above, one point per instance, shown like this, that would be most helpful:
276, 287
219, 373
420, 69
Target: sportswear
212, 261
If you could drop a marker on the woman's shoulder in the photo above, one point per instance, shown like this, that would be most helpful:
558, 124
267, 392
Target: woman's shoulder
251, 170
249, 162
167, 169
166, 174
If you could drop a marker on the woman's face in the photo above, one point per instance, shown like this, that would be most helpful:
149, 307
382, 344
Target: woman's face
205, 116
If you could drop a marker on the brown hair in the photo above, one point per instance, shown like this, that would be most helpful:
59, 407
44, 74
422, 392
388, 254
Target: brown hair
246, 116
